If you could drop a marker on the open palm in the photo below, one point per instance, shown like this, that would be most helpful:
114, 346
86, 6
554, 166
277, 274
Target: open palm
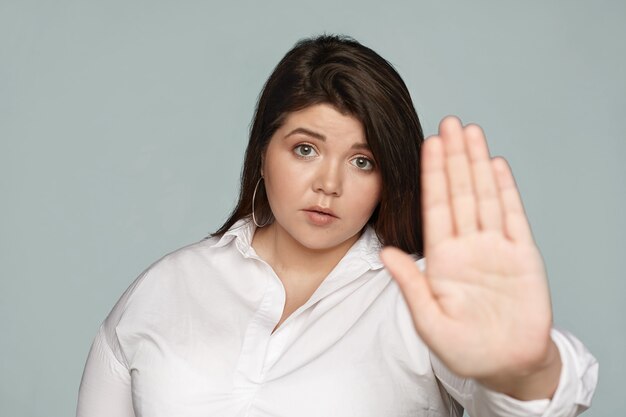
482, 303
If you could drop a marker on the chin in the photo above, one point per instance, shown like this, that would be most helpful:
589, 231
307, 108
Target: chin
320, 246
316, 238
321, 240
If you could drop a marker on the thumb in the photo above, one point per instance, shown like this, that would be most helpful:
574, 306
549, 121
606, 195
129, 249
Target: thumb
415, 288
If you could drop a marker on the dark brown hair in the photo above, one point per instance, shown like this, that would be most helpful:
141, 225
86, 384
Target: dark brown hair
339, 71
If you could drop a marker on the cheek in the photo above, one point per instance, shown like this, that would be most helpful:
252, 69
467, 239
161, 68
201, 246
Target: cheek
275, 161
365, 195
283, 180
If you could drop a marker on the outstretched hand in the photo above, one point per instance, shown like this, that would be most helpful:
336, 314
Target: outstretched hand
482, 305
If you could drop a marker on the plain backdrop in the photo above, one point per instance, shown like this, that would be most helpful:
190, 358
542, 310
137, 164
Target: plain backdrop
123, 126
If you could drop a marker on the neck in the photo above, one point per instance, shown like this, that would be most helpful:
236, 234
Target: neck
286, 255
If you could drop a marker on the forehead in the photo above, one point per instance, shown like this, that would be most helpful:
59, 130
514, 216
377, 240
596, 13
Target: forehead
324, 120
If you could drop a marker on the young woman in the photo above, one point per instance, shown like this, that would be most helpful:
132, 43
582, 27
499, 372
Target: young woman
290, 308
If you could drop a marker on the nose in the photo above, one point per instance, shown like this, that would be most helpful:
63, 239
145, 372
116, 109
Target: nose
328, 179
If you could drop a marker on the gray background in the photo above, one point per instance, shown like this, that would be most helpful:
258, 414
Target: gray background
123, 126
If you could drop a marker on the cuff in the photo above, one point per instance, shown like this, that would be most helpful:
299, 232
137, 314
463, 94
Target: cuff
577, 382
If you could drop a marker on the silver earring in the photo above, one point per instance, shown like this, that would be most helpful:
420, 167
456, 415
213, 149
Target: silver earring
253, 197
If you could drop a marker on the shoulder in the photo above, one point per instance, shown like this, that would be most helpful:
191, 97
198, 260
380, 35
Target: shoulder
164, 276
186, 258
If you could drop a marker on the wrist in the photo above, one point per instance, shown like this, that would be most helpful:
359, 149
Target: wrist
537, 382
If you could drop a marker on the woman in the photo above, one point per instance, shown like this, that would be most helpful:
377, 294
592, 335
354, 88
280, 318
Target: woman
287, 310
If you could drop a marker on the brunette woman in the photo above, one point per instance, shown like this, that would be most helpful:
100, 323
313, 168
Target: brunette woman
291, 308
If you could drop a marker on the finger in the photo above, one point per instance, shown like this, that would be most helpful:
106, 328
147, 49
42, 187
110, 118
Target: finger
459, 176
415, 289
488, 201
515, 222
435, 202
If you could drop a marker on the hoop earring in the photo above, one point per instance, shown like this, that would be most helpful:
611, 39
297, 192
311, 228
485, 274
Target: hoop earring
253, 197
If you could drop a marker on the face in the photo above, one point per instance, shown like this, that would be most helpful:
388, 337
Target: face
321, 179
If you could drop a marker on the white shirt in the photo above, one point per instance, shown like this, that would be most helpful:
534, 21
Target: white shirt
192, 336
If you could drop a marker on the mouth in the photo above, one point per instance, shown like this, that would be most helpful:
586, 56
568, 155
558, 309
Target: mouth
321, 210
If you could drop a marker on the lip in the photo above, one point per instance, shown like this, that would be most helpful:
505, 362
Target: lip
323, 210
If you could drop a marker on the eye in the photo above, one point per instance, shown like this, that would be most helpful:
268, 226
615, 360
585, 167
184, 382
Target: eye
304, 150
363, 163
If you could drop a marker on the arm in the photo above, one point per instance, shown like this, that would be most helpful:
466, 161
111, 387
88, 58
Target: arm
577, 380
105, 389
482, 304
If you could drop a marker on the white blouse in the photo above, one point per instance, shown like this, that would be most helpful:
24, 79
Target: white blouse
192, 336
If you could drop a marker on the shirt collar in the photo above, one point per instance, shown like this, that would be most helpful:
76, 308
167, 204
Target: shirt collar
242, 230
367, 247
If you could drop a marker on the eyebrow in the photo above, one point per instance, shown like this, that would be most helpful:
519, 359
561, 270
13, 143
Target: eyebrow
321, 137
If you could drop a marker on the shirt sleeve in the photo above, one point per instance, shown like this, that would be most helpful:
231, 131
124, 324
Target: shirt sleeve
105, 388
579, 376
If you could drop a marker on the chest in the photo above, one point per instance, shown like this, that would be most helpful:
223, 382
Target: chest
298, 291
340, 353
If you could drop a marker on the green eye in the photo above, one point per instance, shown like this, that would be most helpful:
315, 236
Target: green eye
363, 163
304, 150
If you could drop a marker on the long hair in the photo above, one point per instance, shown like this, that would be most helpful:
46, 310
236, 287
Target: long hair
339, 71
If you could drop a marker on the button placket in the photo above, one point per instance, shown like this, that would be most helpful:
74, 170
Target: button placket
258, 334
